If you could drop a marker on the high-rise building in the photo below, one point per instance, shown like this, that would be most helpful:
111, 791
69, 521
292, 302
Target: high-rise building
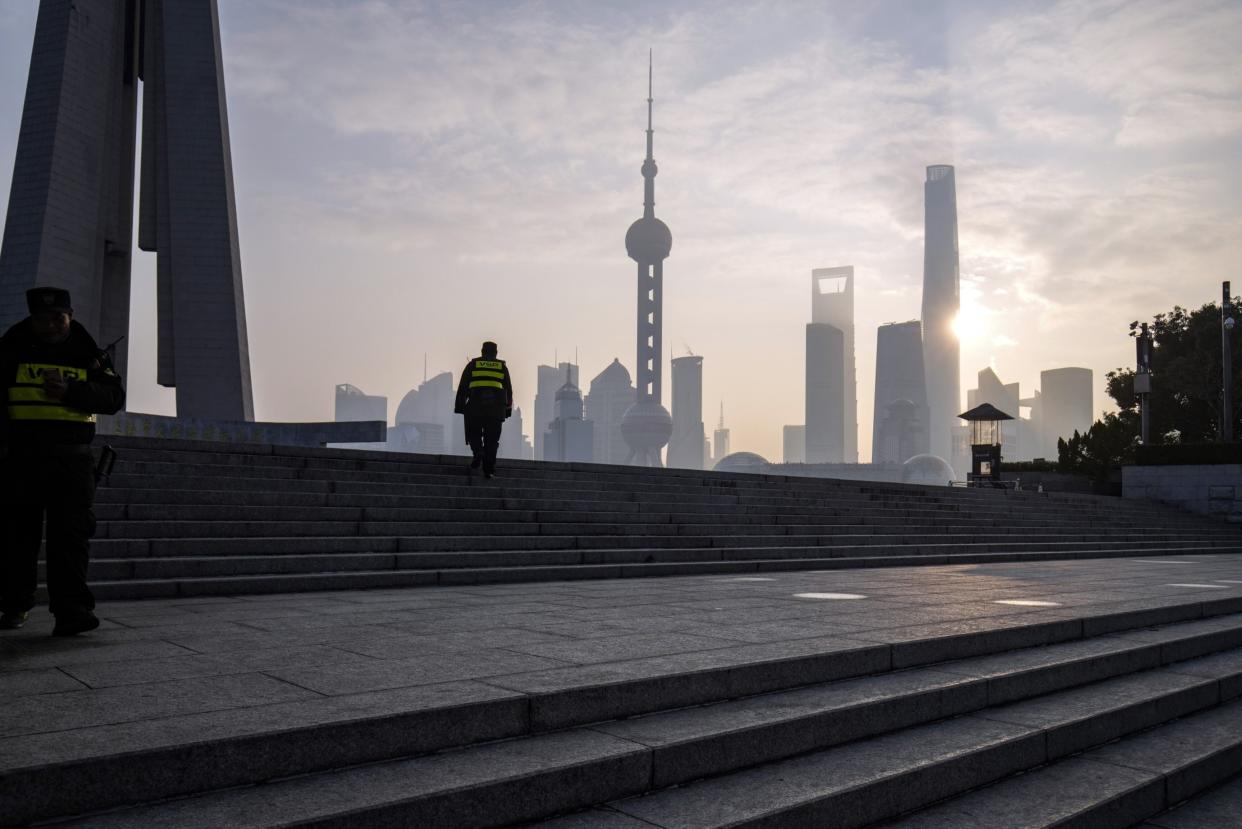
899, 377
831, 379
825, 389
548, 380
429, 408
71, 207
610, 395
1007, 397
720, 438
512, 441
1065, 406
941, 303
352, 403
569, 436
647, 425
685, 447
794, 444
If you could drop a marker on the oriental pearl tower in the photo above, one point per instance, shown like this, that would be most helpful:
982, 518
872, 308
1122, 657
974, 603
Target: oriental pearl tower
647, 425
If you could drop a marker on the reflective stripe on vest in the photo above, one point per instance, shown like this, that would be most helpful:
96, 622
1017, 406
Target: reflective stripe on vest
487, 374
28, 401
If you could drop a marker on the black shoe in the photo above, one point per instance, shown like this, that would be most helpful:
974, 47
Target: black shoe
73, 624
477, 462
13, 621
489, 475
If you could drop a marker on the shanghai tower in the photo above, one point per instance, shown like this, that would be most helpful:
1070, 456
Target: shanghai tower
647, 425
941, 352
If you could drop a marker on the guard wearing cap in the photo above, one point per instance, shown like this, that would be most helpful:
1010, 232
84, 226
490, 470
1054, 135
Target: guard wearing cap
57, 379
485, 397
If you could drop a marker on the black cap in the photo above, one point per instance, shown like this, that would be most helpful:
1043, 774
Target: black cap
42, 300
489, 347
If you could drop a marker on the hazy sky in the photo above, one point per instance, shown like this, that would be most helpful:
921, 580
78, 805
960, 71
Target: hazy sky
416, 177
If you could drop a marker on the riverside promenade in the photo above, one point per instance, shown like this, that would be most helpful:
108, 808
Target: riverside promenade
834, 697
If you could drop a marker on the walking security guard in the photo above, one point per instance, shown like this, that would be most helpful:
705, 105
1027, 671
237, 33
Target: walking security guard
57, 380
485, 397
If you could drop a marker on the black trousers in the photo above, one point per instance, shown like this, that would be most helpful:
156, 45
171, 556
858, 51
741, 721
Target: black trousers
483, 436
62, 490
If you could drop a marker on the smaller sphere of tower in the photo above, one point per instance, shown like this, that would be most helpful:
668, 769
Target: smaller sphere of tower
648, 240
649, 168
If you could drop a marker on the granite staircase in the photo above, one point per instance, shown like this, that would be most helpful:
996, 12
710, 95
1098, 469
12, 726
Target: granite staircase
182, 518
1091, 719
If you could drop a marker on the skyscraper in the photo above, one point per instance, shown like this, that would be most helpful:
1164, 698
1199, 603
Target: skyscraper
647, 425
512, 441
720, 438
1065, 406
71, 208
685, 447
548, 379
429, 409
1007, 397
941, 350
610, 395
352, 403
831, 380
793, 444
569, 436
899, 376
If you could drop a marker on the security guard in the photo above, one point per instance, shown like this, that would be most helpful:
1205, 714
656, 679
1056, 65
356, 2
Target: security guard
485, 397
57, 380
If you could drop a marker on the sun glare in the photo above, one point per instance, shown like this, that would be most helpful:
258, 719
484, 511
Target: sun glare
967, 326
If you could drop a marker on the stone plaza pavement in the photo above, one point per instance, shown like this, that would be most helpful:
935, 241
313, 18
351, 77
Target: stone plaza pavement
162, 675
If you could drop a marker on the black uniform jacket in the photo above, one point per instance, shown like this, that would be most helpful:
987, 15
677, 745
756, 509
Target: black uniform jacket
485, 389
30, 418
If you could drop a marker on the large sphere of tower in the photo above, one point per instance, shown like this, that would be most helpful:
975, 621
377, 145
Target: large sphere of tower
648, 240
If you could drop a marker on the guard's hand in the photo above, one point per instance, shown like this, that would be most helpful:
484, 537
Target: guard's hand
54, 384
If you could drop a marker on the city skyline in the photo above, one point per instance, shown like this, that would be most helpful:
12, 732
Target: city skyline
372, 186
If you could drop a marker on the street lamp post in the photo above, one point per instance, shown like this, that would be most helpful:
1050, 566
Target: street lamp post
1142, 379
1226, 362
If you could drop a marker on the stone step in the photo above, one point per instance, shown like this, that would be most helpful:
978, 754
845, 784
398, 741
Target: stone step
1161, 778
200, 566
1214, 808
122, 521
666, 481
121, 549
874, 780
880, 742
157, 503
586, 498
351, 459
487, 512
164, 449
333, 579
499, 529
466, 488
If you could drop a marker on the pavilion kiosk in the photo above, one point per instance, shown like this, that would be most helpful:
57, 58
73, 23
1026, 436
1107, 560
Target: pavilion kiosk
985, 444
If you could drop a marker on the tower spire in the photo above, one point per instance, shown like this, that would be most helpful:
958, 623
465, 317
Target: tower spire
649, 165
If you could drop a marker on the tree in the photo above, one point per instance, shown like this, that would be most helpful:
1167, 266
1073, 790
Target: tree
1186, 399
